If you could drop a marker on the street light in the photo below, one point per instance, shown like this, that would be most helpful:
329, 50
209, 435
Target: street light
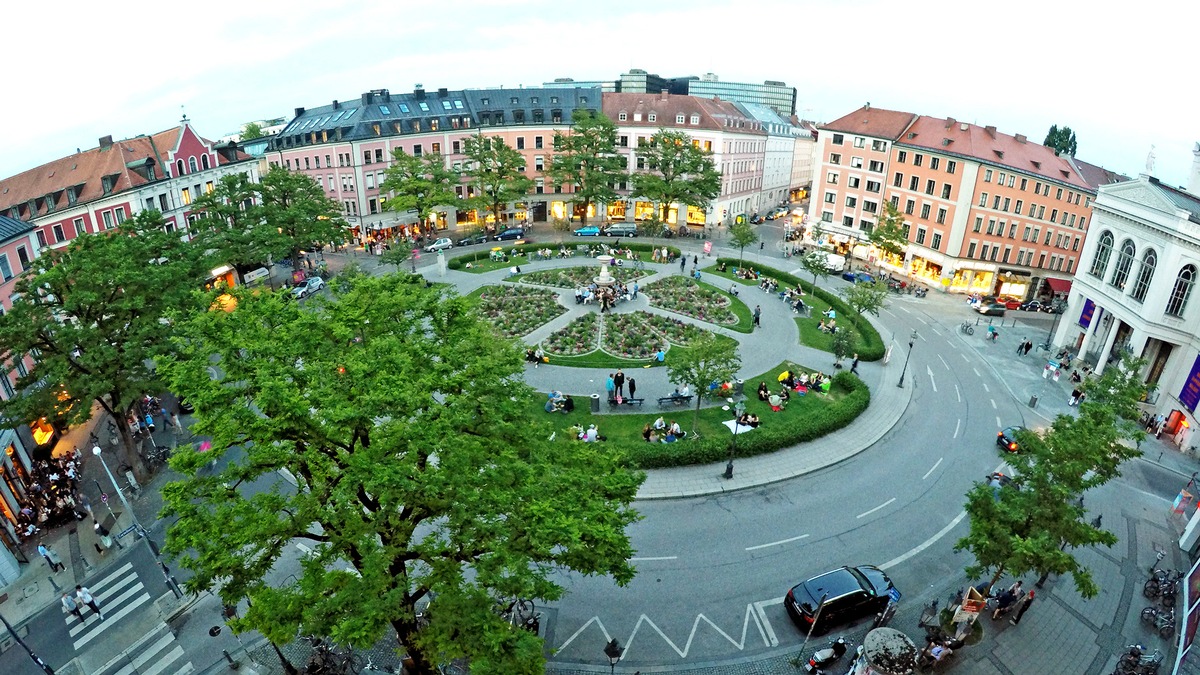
613, 651
737, 414
137, 526
911, 339
40, 663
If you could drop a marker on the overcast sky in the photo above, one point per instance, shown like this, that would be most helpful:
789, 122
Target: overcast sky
1123, 77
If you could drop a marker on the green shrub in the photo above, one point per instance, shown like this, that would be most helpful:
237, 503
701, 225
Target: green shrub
871, 347
480, 258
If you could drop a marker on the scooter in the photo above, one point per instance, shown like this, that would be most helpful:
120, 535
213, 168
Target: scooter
826, 656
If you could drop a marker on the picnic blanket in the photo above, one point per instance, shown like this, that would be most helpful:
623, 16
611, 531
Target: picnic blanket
741, 428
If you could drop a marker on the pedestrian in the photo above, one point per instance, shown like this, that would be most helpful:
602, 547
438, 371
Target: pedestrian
757, 315
85, 598
1004, 602
1028, 346
51, 557
854, 365
682, 264
1021, 346
695, 261
619, 380
635, 290
762, 245
1016, 620
70, 605
1075, 394
610, 386
632, 387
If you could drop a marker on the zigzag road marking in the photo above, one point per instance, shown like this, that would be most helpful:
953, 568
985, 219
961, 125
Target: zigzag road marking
754, 614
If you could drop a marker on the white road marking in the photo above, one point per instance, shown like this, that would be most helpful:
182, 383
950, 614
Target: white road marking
934, 328
931, 380
994, 407
753, 615
943, 362
921, 320
935, 465
964, 357
776, 543
665, 557
925, 544
986, 388
903, 308
999, 424
957, 424
976, 372
958, 393
867, 513
761, 608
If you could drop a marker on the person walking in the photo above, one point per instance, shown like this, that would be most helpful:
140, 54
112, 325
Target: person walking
635, 290
854, 365
1016, 620
682, 264
70, 605
632, 387
1021, 346
85, 598
619, 381
51, 557
757, 315
695, 261
1028, 346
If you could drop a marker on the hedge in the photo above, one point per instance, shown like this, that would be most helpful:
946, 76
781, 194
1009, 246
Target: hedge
872, 348
766, 438
457, 263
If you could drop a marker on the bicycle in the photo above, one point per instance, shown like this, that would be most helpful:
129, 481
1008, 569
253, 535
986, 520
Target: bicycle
1163, 620
967, 327
639, 264
518, 613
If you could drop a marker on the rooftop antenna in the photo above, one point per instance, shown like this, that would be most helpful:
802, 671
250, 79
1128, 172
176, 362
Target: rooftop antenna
184, 111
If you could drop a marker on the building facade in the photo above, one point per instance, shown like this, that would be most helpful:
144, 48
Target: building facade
984, 212
1135, 292
804, 158
773, 94
777, 154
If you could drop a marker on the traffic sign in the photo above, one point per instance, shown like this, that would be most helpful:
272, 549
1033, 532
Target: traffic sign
104, 497
126, 532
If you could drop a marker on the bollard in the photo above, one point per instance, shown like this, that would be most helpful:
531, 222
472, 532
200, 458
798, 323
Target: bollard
595, 403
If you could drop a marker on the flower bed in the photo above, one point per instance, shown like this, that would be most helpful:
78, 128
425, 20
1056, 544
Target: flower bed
637, 335
574, 277
685, 296
516, 310
581, 336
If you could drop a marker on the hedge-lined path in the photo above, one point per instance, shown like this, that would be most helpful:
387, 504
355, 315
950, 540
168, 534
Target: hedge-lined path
776, 340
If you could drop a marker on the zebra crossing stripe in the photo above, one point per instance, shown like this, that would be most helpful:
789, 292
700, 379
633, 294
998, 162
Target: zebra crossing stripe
110, 619
107, 602
150, 652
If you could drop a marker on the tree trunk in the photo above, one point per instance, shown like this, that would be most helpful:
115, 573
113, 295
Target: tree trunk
127, 454
415, 663
583, 218
696, 414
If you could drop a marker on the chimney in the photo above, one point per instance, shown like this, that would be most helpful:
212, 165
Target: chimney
664, 94
867, 106
1021, 138
950, 122
419, 91
336, 105
964, 126
443, 92
368, 98
991, 131
106, 142
299, 112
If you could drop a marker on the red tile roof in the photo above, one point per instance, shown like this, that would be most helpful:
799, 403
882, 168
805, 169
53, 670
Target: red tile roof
730, 118
665, 109
875, 122
1096, 175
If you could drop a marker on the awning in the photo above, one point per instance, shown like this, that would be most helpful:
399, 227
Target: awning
1059, 285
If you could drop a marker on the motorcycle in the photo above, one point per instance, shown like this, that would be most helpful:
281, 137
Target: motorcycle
826, 656
921, 292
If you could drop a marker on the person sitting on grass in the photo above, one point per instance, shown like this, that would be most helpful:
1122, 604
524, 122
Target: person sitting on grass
733, 290
660, 424
748, 420
670, 437
653, 437
675, 430
763, 392
647, 432
784, 395
776, 402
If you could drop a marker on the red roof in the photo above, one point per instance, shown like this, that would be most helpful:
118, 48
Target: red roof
875, 122
1059, 285
664, 106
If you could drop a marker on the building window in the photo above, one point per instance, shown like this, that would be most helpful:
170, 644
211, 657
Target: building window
971, 250
622, 116
185, 195
951, 166
853, 182
679, 118
851, 202
936, 244
876, 166
983, 200
934, 162
5, 269
1103, 251
1144, 276
941, 217
58, 233
830, 197
1182, 290
695, 119
827, 216
856, 163
909, 205
838, 139
930, 185
902, 157
925, 211
945, 191
918, 159
23, 256
848, 221
870, 207
191, 165
520, 142
1124, 262
859, 141
978, 224
898, 181
108, 220
921, 236
835, 158
832, 178
879, 146
652, 117
874, 186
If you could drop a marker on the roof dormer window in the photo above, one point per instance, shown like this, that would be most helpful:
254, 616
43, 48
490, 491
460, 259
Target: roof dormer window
637, 117
622, 116
652, 117
695, 119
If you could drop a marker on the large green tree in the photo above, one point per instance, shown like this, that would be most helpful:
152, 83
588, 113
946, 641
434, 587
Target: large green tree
888, 234
741, 236
496, 172
93, 314
229, 225
252, 131
677, 172
420, 476
706, 359
296, 215
1061, 140
1032, 525
816, 263
866, 297
586, 158
420, 184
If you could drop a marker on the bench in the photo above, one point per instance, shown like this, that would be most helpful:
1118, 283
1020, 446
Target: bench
677, 400
612, 402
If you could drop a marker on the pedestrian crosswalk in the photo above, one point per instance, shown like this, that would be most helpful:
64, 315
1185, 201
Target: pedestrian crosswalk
155, 653
118, 593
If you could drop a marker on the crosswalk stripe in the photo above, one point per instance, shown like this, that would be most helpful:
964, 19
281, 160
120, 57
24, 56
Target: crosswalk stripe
96, 585
149, 653
187, 668
165, 662
110, 620
112, 603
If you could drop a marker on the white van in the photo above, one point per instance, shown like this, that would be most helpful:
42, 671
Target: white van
834, 262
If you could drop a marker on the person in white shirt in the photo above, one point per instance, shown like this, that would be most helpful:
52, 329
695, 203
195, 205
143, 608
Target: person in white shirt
660, 424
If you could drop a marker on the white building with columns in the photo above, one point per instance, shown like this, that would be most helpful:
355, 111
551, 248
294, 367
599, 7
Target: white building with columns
1136, 290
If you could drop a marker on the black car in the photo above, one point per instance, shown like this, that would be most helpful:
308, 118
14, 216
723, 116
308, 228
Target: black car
511, 233
477, 238
1007, 439
849, 593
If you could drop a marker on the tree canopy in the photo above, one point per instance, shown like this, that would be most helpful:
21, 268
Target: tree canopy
1061, 140
229, 223
251, 131
888, 234
816, 263
496, 173
586, 158
419, 473
419, 183
93, 315
677, 172
742, 235
866, 297
1033, 524
706, 359
296, 214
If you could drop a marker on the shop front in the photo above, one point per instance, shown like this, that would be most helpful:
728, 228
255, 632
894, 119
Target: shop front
1013, 284
696, 216
16, 467
616, 211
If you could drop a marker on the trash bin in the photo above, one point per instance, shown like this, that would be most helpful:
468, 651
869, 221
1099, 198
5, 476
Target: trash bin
595, 403
739, 387
1033, 401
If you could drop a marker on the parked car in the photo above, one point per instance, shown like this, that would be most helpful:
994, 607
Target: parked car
621, 230
589, 231
1011, 303
858, 277
1007, 438
308, 287
477, 238
510, 234
991, 308
439, 245
849, 593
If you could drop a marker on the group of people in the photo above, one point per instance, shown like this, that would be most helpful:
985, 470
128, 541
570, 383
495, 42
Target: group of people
588, 435
559, 402
662, 255
777, 400
536, 356
661, 432
747, 273
804, 381
747, 420
615, 386
53, 498
605, 296
828, 324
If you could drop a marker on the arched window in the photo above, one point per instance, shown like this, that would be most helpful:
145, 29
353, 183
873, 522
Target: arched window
1144, 276
179, 168
1182, 291
1103, 251
192, 164
1124, 263
204, 162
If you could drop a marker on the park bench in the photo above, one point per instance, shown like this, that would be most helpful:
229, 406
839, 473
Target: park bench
677, 400
612, 402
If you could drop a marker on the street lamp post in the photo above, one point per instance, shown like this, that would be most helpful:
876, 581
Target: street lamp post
737, 414
40, 663
911, 340
613, 651
137, 526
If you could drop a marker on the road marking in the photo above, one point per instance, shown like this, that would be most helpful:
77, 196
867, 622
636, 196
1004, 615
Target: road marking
925, 544
986, 388
923, 322
999, 425
994, 407
957, 424
761, 608
935, 464
776, 543
964, 357
976, 372
931, 380
665, 557
943, 362
903, 308
754, 614
867, 513
958, 393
